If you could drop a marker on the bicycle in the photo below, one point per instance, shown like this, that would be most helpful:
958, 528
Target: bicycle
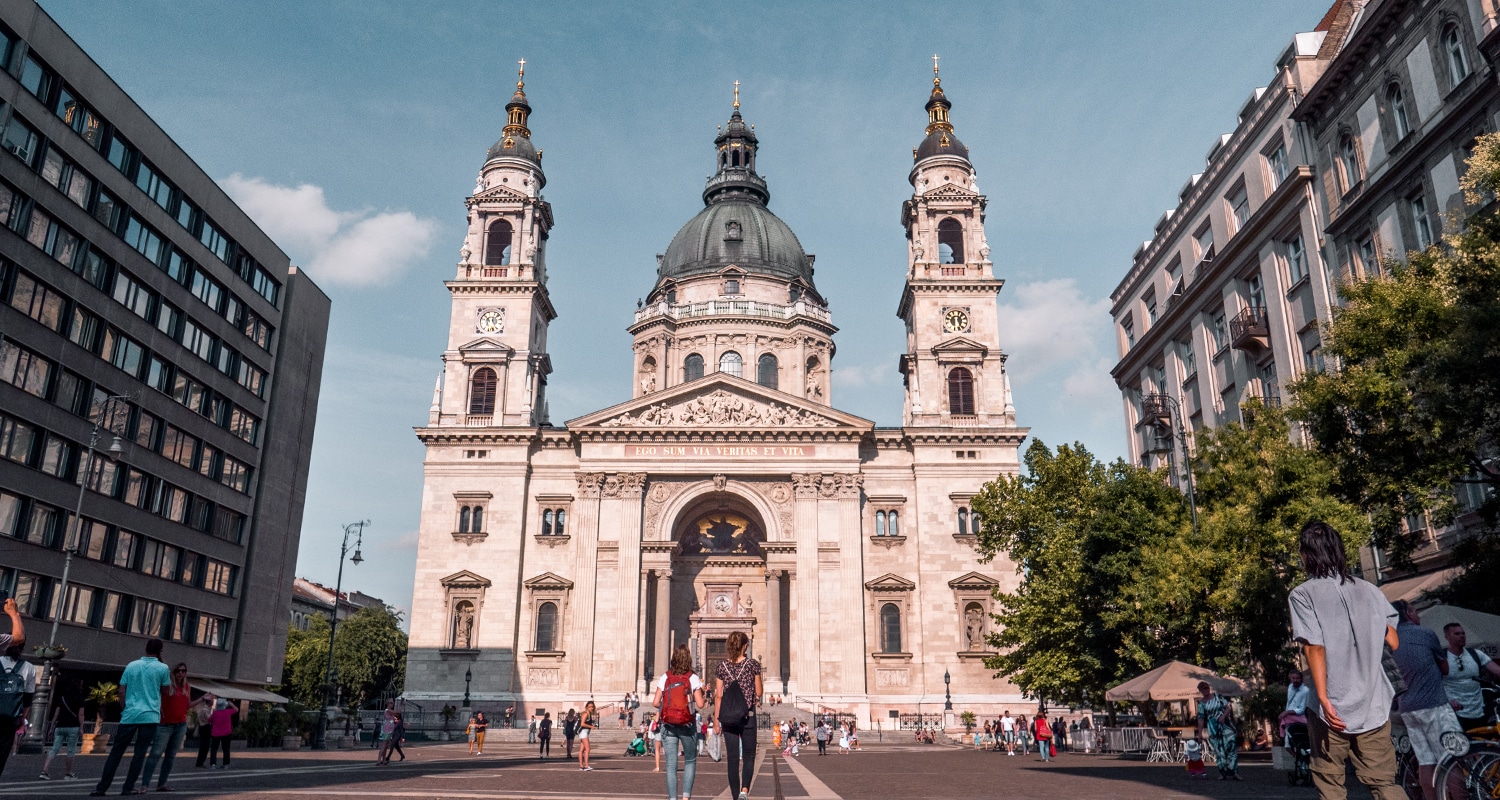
1472, 767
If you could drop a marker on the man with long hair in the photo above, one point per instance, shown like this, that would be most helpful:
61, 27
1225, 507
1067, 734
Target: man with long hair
1344, 624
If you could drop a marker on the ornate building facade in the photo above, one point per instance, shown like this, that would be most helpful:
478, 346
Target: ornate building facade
558, 564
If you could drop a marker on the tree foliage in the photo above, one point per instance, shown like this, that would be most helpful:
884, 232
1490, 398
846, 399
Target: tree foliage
369, 653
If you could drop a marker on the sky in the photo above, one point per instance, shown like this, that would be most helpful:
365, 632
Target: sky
353, 131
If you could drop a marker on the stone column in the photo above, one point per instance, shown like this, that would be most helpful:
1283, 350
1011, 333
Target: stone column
774, 674
663, 649
851, 578
581, 622
630, 584
805, 673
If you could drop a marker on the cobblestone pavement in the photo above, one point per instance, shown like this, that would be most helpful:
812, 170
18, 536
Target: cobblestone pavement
507, 772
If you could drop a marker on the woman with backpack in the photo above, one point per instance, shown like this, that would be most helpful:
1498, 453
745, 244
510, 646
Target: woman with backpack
590, 721
737, 686
678, 696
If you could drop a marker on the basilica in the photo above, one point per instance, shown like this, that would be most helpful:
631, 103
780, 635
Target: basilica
556, 564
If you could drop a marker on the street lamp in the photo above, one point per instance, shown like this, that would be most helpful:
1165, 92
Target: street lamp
468, 676
50, 652
947, 691
1162, 414
357, 530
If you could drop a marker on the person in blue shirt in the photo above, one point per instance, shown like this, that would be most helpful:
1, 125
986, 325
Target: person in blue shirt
1296, 702
141, 688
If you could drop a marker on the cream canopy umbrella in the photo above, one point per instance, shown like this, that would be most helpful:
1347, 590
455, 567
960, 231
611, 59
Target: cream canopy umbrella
1174, 680
1483, 629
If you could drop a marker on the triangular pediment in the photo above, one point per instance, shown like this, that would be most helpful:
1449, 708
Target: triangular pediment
500, 192
465, 579
890, 582
974, 580
547, 580
959, 344
485, 344
720, 400
948, 190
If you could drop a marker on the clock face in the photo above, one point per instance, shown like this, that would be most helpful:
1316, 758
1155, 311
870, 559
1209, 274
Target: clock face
492, 320
956, 320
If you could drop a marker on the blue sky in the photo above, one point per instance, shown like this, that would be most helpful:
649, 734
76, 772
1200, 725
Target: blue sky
352, 131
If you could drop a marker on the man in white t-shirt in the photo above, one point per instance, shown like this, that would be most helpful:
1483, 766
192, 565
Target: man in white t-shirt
1008, 731
1461, 684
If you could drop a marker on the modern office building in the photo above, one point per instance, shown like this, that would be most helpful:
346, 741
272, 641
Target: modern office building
142, 305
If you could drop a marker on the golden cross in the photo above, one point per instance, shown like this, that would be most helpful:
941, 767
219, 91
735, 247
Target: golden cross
522, 75
934, 63
736, 94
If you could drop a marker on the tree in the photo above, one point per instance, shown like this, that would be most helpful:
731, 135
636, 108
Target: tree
1077, 528
1411, 410
369, 652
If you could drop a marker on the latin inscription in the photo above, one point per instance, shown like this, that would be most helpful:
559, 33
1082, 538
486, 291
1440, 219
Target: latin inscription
738, 452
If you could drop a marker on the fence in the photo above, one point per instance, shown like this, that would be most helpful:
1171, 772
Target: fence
1125, 740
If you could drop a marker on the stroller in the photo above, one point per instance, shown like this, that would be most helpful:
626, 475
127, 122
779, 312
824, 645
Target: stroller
637, 747
1301, 748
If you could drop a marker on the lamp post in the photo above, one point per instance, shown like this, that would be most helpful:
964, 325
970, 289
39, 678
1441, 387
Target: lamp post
947, 691
357, 530
50, 652
468, 676
1161, 413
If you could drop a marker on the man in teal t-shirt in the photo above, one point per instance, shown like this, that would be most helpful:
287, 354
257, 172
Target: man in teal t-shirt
141, 688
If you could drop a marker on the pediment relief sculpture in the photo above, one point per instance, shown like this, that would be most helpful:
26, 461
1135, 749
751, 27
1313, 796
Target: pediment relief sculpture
720, 408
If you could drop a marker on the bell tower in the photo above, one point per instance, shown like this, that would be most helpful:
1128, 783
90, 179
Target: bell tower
496, 365
953, 368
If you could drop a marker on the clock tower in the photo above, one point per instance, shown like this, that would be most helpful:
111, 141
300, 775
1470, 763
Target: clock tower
953, 367
495, 368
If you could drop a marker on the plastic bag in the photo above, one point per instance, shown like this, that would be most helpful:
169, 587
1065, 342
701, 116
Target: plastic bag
715, 746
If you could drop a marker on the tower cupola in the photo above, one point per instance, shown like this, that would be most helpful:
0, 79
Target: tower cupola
736, 146
940, 140
515, 137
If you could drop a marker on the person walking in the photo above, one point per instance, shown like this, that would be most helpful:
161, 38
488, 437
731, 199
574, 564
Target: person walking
1217, 716
221, 728
1008, 733
1424, 705
1461, 682
589, 722
469, 729
1042, 732
171, 730
480, 726
141, 688
677, 694
67, 708
202, 713
737, 686
544, 736
570, 731
655, 739
843, 739
398, 735
821, 733
624, 708
1342, 623
17, 690
531, 730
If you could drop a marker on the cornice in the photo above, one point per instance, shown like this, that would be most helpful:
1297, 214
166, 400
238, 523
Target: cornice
462, 435
672, 325
720, 435
918, 286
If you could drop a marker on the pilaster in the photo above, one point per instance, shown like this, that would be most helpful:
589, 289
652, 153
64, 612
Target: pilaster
851, 575
582, 620
804, 622
627, 487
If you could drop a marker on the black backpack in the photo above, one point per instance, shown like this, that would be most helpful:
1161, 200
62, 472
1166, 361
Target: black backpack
734, 709
12, 689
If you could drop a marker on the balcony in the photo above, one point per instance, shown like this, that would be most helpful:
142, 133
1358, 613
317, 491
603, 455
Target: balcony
1156, 411
733, 308
1250, 329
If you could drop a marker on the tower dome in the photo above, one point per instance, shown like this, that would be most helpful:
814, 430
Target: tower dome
735, 226
515, 138
940, 140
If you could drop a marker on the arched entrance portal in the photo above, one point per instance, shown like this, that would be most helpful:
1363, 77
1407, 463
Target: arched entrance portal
719, 577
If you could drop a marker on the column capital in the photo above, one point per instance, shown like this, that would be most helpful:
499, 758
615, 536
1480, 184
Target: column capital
589, 483
805, 484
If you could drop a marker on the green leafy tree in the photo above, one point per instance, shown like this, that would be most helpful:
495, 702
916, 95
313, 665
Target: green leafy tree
1078, 529
1410, 410
369, 652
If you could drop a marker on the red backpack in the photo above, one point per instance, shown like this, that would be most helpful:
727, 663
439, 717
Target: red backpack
676, 703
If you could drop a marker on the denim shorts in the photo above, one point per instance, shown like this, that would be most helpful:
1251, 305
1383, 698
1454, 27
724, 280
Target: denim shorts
68, 735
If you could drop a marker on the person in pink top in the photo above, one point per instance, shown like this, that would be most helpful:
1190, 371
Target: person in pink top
221, 726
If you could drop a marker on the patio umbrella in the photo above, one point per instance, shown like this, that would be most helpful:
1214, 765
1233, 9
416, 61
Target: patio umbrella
1483, 629
1174, 680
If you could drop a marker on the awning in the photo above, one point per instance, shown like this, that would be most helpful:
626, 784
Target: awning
1175, 680
230, 690
1411, 589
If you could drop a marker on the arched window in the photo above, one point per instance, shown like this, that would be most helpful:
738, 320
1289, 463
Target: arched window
692, 368
482, 391
893, 526
890, 628
950, 242
547, 522
497, 244
879, 523
960, 391
1397, 102
766, 371
476, 520
734, 158
963, 522
1349, 161
731, 363
546, 627
560, 527
1458, 61
463, 520
974, 523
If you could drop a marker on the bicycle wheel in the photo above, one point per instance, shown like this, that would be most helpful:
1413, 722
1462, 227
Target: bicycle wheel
1473, 776
1407, 776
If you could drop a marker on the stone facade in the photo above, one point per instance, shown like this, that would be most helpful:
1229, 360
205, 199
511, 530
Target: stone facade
559, 564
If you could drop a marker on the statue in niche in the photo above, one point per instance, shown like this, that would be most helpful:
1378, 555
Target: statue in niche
480, 184
974, 627
464, 254
463, 626
719, 533
917, 252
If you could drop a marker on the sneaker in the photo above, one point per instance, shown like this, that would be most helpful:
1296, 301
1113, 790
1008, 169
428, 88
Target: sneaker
70, 777
44, 777
588, 769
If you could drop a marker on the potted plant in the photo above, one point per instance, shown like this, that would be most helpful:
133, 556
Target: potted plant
52, 652
968, 719
449, 713
101, 695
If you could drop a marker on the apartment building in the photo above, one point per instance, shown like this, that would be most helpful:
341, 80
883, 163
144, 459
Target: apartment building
143, 311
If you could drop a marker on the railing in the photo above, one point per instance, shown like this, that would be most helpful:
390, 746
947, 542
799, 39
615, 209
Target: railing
1250, 327
954, 272
479, 420
1126, 740
733, 308
964, 420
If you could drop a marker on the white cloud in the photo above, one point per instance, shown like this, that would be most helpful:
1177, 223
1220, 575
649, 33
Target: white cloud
860, 376
354, 248
1050, 323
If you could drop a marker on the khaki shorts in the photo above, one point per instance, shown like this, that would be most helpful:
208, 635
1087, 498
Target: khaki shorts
1425, 728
